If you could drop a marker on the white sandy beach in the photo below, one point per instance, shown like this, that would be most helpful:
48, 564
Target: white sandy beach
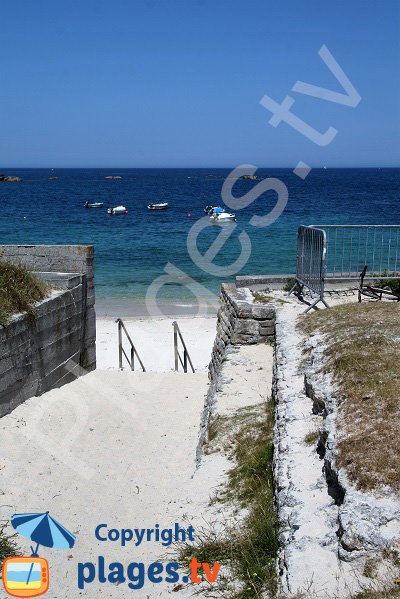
153, 339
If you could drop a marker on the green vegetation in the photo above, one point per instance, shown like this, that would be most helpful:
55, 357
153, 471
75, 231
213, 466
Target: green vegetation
311, 438
363, 342
249, 549
392, 284
19, 290
8, 546
261, 297
290, 283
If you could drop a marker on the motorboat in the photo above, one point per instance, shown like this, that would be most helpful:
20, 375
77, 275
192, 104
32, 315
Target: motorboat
117, 210
159, 206
222, 217
218, 214
94, 204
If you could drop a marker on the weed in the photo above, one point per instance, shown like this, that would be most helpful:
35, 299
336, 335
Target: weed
19, 290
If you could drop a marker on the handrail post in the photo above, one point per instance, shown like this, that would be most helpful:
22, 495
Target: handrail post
120, 344
178, 357
174, 324
121, 351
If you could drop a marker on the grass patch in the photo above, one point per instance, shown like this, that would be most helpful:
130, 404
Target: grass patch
19, 290
311, 438
290, 284
8, 546
363, 348
392, 284
261, 297
248, 549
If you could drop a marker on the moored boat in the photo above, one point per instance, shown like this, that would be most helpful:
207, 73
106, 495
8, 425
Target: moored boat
218, 214
117, 210
94, 204
222, 217
159, 206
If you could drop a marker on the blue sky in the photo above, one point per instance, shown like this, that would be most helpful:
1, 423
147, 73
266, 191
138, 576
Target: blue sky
142, 83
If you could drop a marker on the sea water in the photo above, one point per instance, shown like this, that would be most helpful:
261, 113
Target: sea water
132, 251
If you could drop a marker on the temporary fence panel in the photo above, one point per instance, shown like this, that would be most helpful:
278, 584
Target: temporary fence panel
352, 247
311, 255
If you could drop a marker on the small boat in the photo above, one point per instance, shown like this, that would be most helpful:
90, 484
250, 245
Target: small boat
222, 217
218, 214
117, 210
94, 204
160, 206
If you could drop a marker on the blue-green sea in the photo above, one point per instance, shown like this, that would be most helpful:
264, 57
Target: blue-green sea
132, 250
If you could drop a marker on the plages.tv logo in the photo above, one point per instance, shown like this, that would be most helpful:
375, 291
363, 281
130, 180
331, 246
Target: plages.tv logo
29, 576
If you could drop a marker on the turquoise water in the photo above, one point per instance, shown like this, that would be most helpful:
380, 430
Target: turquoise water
131, 251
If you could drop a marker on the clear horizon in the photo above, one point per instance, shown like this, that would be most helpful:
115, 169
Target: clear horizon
178, 84
15, 168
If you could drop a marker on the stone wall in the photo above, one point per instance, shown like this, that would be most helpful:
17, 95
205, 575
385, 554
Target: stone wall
240, 322
50, 349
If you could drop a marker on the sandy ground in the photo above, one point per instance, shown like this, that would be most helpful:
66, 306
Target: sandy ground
111, 447
119, 448
153, 339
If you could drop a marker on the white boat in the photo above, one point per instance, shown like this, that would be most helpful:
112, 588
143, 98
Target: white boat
218, 214
223, 217
160, 206
94, 204
117, 210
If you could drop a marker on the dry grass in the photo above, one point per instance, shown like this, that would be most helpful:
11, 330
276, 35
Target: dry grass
19, 290
363, 353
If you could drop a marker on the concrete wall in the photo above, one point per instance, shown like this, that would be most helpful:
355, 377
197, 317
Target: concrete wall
45, 351
240, 322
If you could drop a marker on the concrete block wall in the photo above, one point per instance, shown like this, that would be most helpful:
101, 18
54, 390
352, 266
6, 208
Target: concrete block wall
48, 350
240, 322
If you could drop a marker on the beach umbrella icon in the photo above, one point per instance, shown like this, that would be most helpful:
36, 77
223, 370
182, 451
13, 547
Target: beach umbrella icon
44, 530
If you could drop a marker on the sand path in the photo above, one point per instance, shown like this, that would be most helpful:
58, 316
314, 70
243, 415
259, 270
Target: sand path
111, 447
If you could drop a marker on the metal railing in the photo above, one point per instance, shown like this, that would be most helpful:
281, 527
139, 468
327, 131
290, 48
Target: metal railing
343, 252
311, 265
352, 247
121, 350
177, 355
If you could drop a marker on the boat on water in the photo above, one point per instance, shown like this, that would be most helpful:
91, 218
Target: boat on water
218, 214
117, 210
159, 206
223, 217
94, 204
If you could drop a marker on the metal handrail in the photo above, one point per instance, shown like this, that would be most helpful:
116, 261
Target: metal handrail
122, 352
178, 357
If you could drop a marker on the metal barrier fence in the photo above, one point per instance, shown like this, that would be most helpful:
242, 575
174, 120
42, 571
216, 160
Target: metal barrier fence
352, 247
311, 256
326, 252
